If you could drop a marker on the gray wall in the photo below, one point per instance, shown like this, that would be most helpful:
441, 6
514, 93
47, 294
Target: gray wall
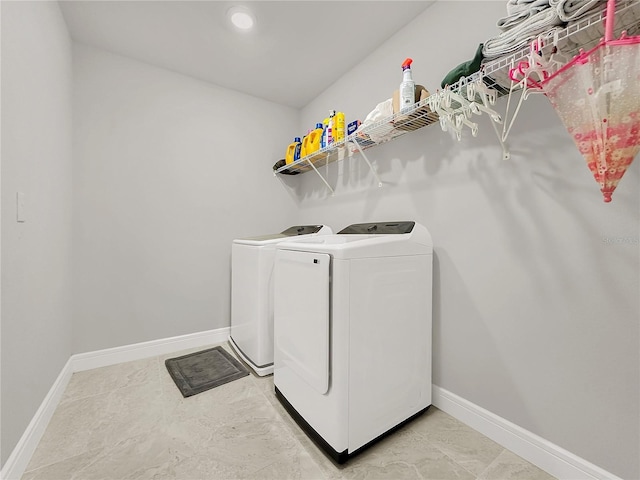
168, 170
536, 279
535, 308
36, 160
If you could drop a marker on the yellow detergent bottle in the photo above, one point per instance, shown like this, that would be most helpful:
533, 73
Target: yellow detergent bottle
314, 139
293, 151
304, 150
339, 127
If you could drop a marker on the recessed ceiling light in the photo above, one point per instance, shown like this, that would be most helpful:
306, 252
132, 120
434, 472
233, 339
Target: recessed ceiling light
241, 17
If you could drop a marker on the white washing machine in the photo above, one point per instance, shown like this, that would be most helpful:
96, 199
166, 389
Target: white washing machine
252, 260
352, 330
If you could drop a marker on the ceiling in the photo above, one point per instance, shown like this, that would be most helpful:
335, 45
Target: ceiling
296, 50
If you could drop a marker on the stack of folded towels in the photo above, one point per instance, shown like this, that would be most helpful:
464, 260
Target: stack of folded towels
528, 18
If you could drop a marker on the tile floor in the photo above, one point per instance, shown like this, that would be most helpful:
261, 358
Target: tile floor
129, 421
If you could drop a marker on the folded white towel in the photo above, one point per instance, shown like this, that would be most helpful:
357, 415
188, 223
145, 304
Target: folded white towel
519, 12
521, 35
515, 7
569, 10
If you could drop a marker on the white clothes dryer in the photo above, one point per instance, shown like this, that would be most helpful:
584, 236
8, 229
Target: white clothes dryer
352, 351
251, 335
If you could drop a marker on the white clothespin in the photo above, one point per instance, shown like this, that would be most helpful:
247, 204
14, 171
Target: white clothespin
487, 96
495, 116
462, 120
446, 115
486, 93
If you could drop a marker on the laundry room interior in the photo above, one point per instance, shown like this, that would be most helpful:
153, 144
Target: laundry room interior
140, 139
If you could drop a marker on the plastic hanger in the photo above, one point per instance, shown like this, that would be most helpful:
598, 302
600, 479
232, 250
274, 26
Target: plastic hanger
522, 78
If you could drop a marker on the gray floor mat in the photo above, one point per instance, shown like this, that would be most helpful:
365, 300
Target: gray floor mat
200, 371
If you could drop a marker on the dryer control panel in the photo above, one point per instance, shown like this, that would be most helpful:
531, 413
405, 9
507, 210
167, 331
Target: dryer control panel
383, 228
301, 230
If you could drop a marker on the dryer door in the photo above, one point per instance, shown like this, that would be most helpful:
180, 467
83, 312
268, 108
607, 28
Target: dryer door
301, 315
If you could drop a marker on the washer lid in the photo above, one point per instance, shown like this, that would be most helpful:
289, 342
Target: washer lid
382, 228
293, 231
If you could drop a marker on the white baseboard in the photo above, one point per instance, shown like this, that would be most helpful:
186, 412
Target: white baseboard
17, 462
138, 351
549, 457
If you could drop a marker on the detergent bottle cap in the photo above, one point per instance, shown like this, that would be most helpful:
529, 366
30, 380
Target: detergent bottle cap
318, 125
297, 139
407, 64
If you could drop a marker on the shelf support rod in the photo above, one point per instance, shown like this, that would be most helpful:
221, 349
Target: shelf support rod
485, 106
373, 170
321, 177
506, 155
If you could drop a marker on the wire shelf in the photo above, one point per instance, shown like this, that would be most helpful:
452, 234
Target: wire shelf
393, 126
567, 41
